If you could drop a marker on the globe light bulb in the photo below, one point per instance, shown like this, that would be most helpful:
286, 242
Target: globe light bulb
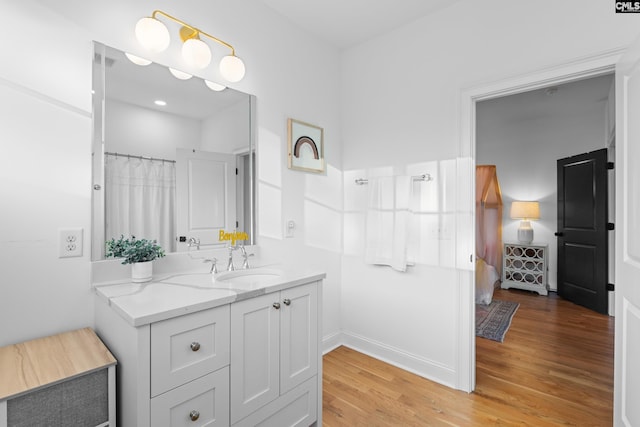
180, 74
232, 68
214, 86
152, 34
196, 53
137, 60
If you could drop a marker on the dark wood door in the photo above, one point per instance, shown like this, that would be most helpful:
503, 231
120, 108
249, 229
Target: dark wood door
582, 230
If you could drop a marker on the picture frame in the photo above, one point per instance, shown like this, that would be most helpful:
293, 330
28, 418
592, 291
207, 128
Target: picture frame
306, 146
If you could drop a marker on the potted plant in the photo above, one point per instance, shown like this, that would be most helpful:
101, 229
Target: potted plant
137, 252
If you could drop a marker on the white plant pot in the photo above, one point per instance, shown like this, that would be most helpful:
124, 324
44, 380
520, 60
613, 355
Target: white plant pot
141, 271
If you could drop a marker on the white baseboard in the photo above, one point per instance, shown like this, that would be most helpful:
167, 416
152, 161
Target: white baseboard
401, 359
331, 342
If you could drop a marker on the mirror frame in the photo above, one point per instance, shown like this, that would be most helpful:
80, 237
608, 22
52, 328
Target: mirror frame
98, 154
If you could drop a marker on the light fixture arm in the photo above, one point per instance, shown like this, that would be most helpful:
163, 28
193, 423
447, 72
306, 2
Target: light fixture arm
195, 30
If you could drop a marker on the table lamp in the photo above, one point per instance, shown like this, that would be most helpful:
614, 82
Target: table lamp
525, 211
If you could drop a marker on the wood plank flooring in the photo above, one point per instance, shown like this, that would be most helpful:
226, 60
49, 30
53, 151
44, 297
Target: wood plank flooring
555, 367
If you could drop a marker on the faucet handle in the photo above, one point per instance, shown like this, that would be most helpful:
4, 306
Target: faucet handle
245, 264
214, 265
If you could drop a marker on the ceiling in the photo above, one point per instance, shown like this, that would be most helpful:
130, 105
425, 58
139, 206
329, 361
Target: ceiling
572, 98
346, 23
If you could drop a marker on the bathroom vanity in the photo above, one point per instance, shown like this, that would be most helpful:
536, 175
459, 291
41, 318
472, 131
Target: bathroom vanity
241, 351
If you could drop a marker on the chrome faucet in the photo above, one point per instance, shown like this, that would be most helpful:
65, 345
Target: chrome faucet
230, 266
194, 242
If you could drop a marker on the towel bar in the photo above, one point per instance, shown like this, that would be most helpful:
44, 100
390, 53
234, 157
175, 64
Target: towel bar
423, 177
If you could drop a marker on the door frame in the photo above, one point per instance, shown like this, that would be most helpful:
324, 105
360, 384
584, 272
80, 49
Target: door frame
577, 69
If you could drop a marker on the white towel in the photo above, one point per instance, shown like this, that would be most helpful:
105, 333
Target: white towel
388, 218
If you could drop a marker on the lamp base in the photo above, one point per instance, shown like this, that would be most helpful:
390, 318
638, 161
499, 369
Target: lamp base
525, 232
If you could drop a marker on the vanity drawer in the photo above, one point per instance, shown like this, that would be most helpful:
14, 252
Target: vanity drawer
203, 402
187, 347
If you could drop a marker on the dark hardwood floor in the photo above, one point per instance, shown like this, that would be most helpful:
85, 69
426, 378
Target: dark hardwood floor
555, 367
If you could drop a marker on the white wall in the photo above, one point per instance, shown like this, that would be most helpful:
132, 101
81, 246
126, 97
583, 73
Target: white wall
227, 130
46, 140
401, 105
525, 134
130, 129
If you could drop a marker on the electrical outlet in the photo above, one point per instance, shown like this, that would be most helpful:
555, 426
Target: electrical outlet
70, 242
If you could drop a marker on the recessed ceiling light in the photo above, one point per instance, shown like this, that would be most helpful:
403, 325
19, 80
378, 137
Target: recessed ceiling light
160, 102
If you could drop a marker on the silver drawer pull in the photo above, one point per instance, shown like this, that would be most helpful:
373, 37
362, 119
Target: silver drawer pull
287, 301
195, 346
194, 415
276, 305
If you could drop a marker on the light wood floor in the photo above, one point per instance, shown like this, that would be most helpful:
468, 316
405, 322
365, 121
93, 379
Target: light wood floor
555, 367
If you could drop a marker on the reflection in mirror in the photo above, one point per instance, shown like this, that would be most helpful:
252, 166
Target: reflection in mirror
172, 159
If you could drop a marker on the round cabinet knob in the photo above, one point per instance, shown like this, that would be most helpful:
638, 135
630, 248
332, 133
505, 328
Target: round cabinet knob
194, 415
276, 305
195, 346
287, 301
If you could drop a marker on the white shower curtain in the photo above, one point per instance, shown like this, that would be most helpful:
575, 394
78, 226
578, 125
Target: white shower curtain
140, 199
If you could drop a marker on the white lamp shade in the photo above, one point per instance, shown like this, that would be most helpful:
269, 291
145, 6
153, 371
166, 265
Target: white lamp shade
137, 60
196, 53
180, 74
525, 210
214, 86
152, 34
232, 68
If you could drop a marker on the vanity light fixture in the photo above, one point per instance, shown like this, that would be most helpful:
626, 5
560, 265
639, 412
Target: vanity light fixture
137, 60
214, 86
154, 35
180, 74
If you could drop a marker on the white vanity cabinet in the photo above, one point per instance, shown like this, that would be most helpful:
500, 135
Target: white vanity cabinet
274, 349
174, 371
196, 356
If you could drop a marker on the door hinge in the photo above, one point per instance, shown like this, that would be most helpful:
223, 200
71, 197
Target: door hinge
610, 165
611, 226
611, 287
236, 171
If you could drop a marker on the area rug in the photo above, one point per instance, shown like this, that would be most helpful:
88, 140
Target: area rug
493, 320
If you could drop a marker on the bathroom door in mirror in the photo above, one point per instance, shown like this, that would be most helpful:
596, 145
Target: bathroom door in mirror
206, 196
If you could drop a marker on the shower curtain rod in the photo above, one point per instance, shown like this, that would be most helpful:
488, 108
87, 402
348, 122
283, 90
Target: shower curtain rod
131, 156
423, 177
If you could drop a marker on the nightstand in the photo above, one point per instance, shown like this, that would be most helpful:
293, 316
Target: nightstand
524, 266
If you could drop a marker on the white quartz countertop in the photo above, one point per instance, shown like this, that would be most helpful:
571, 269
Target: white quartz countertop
178, 294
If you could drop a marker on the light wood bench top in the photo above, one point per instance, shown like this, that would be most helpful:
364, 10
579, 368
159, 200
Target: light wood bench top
45, 361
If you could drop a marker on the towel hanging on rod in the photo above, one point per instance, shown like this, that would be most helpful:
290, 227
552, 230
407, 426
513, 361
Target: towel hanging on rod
423, 177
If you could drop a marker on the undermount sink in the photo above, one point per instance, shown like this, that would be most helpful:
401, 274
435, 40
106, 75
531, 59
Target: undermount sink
250, 275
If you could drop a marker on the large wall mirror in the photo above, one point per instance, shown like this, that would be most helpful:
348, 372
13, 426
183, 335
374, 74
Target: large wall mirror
173, 159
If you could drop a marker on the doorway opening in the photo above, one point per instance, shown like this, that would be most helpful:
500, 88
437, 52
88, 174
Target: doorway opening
572, 72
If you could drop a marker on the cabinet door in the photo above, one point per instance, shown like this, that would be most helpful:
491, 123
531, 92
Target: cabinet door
255, 326
298, 336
